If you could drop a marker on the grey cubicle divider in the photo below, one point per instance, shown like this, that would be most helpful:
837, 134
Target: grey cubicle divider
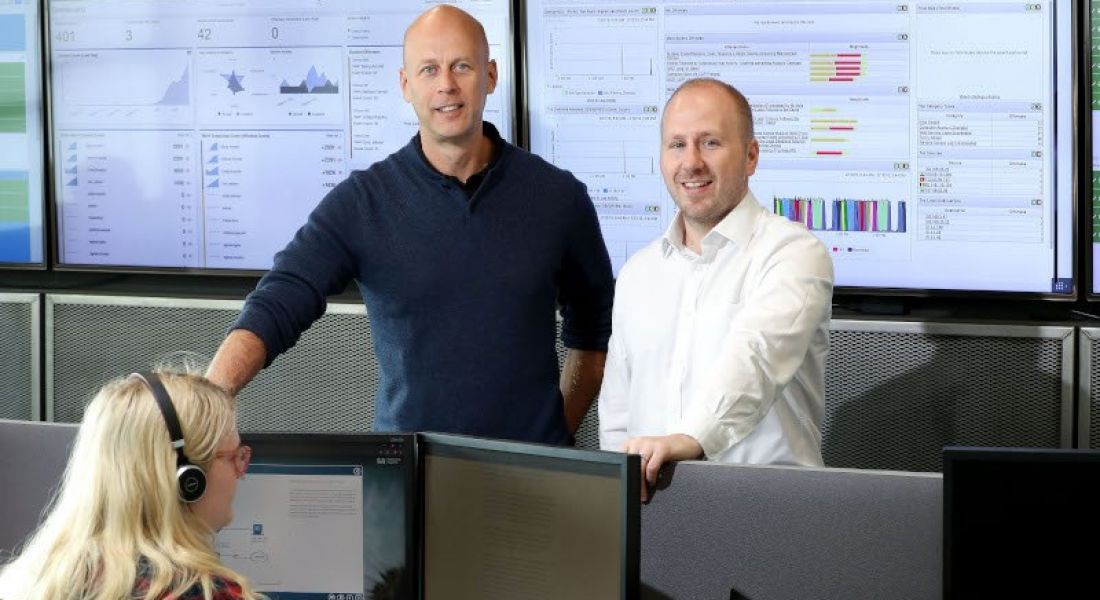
32, 459
771, 533
784, 533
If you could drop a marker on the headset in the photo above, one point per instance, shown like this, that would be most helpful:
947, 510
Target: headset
190, 478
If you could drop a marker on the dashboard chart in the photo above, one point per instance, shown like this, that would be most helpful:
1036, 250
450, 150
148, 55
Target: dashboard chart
199, 135
908, 136
21, 138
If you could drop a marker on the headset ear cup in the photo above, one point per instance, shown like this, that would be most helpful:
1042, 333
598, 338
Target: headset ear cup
191, 483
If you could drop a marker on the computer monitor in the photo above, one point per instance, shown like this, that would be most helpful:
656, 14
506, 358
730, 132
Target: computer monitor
1019, 522
929, 145
503, 520
194, 135
22, 178
325, 516
1091, 27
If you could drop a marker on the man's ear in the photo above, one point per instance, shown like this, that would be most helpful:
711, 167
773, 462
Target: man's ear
492, 72
403, 80
752, 155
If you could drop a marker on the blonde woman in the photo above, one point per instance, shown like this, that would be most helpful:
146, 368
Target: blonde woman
151, 477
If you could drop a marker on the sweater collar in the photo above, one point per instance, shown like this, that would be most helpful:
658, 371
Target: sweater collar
489, 130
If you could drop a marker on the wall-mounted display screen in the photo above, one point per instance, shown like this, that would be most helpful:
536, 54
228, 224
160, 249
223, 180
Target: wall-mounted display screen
200, 135
21, 135
929, 145
1094, 104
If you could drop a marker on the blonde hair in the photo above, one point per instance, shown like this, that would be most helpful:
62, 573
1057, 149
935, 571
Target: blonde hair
118, 502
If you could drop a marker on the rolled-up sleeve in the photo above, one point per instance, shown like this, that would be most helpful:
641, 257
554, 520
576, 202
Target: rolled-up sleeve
586, 287
765, 345
317, 262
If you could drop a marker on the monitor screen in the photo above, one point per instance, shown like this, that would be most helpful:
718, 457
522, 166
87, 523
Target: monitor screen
199, 135
1018, 523
325, 516
929, 145
1094, 103
505, 520
21, 135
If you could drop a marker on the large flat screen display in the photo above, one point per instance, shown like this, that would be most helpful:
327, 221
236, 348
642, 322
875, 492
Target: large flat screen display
929, 145
1094, 104
21, 135
199, 135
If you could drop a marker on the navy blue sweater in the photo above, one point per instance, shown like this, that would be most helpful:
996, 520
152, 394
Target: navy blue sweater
461, 292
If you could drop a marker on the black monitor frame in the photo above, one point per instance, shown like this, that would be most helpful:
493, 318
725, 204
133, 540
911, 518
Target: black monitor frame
517, 452
333, 446
955, 457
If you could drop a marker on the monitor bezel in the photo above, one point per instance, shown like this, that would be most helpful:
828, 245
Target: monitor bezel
342, 445
629, 472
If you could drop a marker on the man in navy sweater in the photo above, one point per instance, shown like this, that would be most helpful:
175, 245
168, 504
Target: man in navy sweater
463, 246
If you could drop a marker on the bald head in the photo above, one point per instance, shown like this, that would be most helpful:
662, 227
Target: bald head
445, 18
740, 103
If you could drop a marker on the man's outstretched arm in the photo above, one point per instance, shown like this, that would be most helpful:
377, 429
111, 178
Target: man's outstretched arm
238, 360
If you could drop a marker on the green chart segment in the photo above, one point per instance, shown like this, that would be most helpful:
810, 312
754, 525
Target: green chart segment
14, 207
13, 98
1095, 30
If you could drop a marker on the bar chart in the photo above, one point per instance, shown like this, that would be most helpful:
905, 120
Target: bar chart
843, 214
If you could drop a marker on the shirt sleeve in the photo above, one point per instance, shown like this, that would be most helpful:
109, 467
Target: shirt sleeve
765, 345
586, 288
614, 402
318, 261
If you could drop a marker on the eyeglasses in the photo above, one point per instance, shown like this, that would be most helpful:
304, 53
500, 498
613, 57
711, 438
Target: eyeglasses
241, 456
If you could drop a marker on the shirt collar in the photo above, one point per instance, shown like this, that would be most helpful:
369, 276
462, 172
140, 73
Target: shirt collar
736, 227
490, 132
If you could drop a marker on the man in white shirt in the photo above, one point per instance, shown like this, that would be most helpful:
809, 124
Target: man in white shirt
720, 327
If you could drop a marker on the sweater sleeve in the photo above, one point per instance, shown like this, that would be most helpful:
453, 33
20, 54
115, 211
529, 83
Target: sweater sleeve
320, 260
586, 288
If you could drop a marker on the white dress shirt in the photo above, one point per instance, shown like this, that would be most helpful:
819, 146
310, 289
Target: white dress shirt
727, 347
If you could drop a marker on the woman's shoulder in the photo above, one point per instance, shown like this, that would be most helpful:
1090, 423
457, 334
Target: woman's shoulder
224, 589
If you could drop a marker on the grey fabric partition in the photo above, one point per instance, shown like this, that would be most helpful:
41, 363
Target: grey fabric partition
32, 459
783, 533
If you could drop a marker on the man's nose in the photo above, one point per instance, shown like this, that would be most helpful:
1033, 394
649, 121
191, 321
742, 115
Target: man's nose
447, 81
693, 159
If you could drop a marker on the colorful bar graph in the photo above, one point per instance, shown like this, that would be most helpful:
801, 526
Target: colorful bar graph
843, 214
836, 67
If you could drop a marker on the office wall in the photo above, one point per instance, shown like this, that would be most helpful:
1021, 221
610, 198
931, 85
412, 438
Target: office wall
896, 391
325, 383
